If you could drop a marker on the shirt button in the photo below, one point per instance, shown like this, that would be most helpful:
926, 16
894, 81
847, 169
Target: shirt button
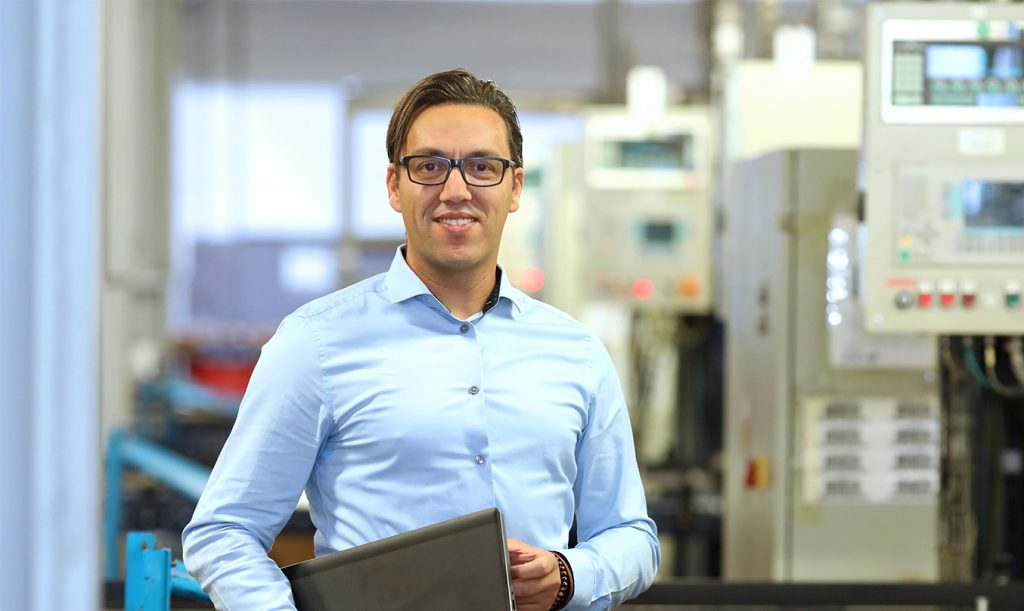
479, 458
473, 390
464, 329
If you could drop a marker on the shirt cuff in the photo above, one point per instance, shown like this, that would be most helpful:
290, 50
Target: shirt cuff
584, 578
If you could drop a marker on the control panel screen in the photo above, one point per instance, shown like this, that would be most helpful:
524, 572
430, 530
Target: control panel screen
990, 205
958, 73
659, 233
673, 152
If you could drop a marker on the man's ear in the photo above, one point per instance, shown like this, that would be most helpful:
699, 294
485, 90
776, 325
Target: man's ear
517, 188
392, 179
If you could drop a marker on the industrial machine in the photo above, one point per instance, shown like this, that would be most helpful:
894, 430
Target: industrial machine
944, 167
646, 217
647, 208
831, 435
943, 171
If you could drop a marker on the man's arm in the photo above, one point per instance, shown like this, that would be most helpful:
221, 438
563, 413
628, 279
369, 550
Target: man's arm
618, 552
259, 476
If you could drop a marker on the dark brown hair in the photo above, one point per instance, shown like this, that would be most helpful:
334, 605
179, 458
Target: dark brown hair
452, 87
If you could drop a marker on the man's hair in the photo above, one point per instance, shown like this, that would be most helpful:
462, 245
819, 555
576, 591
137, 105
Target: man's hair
452, 87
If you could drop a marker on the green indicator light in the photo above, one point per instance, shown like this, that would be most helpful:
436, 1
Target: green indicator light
1012, 300
904, 255
983, 30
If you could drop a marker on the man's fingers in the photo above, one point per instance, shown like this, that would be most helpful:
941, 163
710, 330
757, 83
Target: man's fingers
534, 569
528, 591
517, 557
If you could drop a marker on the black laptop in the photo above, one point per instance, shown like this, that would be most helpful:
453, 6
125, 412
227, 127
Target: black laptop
456, 565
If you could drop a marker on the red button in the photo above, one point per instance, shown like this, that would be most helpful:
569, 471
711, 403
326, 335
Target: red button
967, 300
947, 300
924, 300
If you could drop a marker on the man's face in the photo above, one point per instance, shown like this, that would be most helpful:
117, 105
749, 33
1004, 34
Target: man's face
454, 228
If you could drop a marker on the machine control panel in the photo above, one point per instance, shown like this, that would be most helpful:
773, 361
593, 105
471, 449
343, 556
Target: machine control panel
942, 160
648, 209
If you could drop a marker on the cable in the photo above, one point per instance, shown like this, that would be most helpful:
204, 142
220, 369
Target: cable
1015, 349
971, 361
990, 371
956, 373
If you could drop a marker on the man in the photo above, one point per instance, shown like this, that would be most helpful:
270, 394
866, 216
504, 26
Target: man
432, 391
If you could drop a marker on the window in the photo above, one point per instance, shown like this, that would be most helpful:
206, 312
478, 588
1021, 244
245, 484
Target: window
256, 210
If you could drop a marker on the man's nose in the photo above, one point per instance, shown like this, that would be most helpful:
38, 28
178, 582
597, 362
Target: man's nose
455, 188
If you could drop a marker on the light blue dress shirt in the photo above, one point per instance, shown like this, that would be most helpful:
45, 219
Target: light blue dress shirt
393, 414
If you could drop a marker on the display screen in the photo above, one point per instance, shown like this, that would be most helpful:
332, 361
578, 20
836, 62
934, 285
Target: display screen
955, 62
660, 234
990, 205
668, 153
958, 73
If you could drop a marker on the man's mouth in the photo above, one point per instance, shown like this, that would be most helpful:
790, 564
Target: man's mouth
456, 221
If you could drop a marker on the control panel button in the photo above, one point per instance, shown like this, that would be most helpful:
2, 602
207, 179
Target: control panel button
904, 300
947, 293
968, 293
925, 294
1012, 291
689, 286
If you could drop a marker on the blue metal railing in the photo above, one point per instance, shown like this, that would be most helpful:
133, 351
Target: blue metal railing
173, 470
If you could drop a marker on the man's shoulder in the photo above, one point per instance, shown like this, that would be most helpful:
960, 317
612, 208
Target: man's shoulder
345, 301
534, 310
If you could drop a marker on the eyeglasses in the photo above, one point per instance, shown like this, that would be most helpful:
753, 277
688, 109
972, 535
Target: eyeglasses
476, 171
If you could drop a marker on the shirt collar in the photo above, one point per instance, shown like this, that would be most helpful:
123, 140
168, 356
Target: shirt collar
403, 283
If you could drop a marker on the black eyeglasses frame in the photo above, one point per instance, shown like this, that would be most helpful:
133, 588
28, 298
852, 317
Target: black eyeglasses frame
456, 163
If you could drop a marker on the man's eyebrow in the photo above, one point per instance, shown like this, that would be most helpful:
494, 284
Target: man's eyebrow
439, 153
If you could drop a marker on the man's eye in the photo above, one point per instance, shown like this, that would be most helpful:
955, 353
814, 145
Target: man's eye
428, 167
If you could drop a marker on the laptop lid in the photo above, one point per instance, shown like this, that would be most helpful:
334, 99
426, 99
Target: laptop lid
456, 565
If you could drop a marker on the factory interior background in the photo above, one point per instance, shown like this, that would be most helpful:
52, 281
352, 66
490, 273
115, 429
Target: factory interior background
797, 225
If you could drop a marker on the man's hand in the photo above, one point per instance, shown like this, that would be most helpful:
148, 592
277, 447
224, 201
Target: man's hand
535, 578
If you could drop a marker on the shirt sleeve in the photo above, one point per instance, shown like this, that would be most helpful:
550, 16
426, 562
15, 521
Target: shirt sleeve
618, 552
259, 476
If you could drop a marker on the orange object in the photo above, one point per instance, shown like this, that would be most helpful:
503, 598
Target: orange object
689, 286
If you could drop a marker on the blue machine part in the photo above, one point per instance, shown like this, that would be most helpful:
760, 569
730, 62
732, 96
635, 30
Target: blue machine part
147, 584
151, 577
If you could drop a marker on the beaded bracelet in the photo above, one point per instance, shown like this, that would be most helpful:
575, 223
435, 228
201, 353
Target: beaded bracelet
565, 586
